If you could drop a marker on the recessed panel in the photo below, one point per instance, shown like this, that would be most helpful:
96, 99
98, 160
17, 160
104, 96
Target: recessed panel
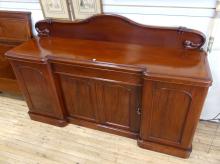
37, 89
78, 97
169, 111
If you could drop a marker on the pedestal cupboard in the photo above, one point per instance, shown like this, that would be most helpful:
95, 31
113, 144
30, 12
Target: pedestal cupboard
109, 73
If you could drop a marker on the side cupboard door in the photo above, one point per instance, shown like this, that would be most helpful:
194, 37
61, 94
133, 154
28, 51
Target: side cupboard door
38, 88
170, 113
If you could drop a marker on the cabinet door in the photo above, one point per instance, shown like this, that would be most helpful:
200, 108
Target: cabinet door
38, 88
171, 112
118, 105
102, 102
79, 98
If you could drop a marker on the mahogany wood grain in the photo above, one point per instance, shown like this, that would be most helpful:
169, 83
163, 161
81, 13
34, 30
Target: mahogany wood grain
114, 75
119, 29
15, 28
39, 90
170, 115
190, 65
90, 99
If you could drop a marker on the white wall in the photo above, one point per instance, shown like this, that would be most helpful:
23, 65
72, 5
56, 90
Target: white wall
190, 13
196, 14
212, 104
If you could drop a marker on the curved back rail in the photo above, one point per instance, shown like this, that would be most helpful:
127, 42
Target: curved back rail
114, 28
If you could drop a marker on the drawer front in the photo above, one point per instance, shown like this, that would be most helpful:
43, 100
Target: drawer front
98, 73
14, 29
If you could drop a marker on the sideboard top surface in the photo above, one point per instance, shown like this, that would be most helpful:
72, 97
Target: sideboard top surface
157, 60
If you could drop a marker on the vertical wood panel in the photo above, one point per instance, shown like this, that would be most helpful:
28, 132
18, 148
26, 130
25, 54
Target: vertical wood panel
78, 98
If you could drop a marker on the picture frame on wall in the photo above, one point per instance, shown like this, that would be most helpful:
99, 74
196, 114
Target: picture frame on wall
56, 9
83, 9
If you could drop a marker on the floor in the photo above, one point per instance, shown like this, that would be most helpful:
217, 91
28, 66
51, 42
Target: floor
25, 141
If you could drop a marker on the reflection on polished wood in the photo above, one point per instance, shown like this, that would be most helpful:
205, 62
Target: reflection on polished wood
24, 141
114, 75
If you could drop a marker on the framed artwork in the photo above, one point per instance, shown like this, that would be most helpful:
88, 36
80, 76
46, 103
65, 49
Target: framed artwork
56, 9
85, 8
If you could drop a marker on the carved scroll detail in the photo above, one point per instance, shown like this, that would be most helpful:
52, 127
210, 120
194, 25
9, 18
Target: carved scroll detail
188, 44
191, 45
43, 32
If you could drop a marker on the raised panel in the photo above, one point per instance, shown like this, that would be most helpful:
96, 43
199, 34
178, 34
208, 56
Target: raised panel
117, 105
37, 89
170, 106
115, 101
78, 97
14, 29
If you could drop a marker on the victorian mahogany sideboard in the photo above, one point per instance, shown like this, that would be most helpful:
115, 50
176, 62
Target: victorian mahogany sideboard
15, 28
112, 74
